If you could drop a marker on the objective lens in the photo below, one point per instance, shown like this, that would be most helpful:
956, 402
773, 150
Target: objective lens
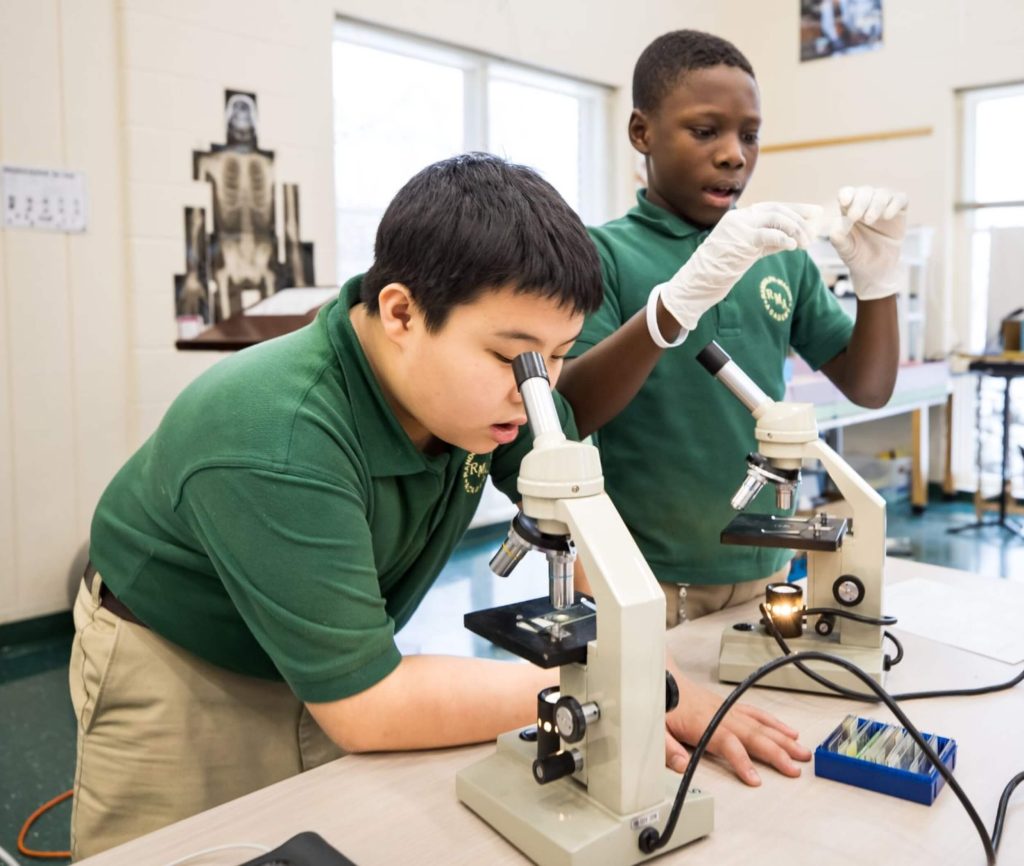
509, 555
560, 574
750, 487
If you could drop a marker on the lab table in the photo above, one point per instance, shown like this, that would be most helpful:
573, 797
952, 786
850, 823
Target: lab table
402, 808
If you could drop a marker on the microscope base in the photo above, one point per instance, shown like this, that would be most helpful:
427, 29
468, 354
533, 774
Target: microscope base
743, 652
559, 824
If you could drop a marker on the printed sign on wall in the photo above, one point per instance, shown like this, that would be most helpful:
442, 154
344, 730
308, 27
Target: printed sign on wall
43, 198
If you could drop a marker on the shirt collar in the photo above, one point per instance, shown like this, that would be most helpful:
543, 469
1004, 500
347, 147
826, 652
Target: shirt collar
660, 219
388, 449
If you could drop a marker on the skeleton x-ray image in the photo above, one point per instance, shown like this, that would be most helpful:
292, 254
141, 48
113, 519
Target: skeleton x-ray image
240, 257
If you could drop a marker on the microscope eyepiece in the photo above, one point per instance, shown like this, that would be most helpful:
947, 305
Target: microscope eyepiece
532, 381
717, 362
529, 365
713, 357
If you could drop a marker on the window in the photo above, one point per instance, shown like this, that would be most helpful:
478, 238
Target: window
401, 103
990, 258
991, 207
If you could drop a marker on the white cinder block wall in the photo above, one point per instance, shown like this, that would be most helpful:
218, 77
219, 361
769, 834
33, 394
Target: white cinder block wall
64, 336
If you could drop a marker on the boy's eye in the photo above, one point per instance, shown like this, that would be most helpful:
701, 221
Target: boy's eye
751, 137
701, 131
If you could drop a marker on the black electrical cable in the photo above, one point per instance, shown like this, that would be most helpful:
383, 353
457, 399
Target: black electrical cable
892, 662
651, 840
849, 614
842, 691
1004, 801
869, 620
997, 828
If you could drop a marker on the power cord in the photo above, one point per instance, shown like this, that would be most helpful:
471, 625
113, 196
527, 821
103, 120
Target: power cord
842, 691
1004, 800
892, 662
651, 840
849, 614
23, 834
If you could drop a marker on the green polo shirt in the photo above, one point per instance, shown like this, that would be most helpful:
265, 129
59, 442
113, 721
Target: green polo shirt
280, 523
675, 456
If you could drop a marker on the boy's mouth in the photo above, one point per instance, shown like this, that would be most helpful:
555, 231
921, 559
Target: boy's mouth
505, 433
720, 195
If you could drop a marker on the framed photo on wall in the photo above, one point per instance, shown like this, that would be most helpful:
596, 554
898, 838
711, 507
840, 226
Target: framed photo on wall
831, 27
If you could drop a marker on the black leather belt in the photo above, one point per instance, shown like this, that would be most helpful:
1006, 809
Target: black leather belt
108, 600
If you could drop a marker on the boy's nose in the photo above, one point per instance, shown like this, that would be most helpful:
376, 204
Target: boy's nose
730, 153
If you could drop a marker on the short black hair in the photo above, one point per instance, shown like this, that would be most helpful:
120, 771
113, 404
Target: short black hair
671, 56
476, 222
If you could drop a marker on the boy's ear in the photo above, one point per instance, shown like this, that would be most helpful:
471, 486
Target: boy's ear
397, 310
639, 131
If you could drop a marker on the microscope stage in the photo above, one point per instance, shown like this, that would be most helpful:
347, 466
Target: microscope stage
796, 533
535, 631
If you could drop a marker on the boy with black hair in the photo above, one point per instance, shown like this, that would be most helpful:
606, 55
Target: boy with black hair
696, 120
252, 561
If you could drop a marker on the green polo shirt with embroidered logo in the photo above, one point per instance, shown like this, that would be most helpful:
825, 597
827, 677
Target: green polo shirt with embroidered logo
280, 523
675, 456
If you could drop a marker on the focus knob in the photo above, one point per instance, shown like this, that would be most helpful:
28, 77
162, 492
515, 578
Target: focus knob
556, 766
572, 718
671, 692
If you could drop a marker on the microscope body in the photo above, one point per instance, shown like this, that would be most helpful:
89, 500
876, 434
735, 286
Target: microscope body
845, 554
587, 801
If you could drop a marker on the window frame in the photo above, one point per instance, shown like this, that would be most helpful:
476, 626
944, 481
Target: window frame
595, 103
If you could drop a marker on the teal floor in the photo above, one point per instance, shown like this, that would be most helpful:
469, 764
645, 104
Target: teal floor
37, 728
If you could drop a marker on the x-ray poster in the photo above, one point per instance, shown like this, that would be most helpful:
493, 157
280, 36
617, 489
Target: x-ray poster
831, 27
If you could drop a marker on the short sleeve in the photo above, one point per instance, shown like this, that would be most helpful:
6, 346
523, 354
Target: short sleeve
294, 554
821, 328
608, 318
506, 460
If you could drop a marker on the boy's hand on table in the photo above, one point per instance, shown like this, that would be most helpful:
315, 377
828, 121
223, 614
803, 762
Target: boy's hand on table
740, 238
746, 733
869, 237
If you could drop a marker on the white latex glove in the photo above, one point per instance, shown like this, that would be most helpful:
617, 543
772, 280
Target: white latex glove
869, 236
741, 237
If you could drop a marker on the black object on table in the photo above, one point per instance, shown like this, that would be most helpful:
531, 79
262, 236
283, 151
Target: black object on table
306, 849
1007, 370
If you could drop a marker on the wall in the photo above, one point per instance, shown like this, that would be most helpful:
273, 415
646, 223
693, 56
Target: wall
64, 367
125, 90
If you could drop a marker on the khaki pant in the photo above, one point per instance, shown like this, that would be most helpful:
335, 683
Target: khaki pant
163, 735
701, 599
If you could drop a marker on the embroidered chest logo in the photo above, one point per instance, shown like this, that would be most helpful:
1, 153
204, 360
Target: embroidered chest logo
474, 473
777, 298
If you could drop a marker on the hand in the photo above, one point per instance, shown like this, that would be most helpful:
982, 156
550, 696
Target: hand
741, 237
868, 237
746, 732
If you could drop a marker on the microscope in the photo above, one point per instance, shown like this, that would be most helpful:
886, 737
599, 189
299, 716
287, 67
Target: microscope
845, 555
584, 783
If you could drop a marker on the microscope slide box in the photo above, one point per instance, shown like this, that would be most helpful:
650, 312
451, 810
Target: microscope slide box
913, 783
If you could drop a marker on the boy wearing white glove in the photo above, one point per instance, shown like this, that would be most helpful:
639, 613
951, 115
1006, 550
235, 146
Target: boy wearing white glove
672, 439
